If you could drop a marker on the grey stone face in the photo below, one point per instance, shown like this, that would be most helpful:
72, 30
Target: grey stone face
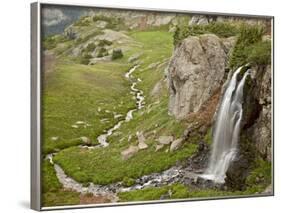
195, 72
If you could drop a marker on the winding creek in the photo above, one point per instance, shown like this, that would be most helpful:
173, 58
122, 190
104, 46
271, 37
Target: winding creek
138, 94
176, 174
110, 190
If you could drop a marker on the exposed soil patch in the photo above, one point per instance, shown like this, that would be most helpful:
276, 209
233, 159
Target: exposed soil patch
92, 199
205, 115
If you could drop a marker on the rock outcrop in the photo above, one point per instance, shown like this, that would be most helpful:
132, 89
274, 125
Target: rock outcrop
262, 127
195, 72
255, 137
135, 19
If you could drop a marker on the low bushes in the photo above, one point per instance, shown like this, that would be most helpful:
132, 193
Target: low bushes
50, 42
247, 40
116, 54
221, 29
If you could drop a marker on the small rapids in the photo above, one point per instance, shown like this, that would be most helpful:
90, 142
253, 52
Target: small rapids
172, 175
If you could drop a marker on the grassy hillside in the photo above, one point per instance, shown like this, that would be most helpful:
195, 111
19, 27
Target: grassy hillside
103, 166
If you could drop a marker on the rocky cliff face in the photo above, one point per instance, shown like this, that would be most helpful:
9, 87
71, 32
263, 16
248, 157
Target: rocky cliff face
262, 126
136, 19
195, 72
255, 137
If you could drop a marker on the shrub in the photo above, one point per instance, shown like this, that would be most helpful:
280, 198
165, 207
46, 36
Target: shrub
104, 43
50, 42
221, 29
116, 54
248, 36
260, 174
128, 181
102, 18
85, 59
260, 53
83, 22
90, 48
102, 52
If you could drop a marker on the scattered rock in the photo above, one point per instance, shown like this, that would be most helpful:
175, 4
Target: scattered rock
80, 122
129, 152
165, 140
141, 139
176, 144
134, 57
142, 145
104, 120
54, 138
268, 190
85, 140
158, 147
118, 116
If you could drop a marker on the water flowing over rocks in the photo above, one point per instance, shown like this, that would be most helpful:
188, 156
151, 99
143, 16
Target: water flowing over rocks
227, 129
138, 94
195, 72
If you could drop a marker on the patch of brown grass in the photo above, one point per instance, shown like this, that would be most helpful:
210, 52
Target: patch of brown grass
206, 113
92, 199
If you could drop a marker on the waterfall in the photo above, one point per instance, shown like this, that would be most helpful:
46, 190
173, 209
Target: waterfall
227, 130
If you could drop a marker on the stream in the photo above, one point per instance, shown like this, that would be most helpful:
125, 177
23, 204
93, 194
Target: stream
138, 94
175, 174
110, 190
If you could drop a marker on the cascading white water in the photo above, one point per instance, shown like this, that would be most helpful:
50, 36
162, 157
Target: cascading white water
227, 130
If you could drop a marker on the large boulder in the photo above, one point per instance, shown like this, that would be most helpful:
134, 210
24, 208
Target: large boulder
176, 144
237, 173
195, 72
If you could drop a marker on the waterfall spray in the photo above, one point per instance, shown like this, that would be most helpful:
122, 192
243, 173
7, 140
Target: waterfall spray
227, 129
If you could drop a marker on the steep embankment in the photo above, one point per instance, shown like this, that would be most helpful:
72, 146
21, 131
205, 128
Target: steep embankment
201, 66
